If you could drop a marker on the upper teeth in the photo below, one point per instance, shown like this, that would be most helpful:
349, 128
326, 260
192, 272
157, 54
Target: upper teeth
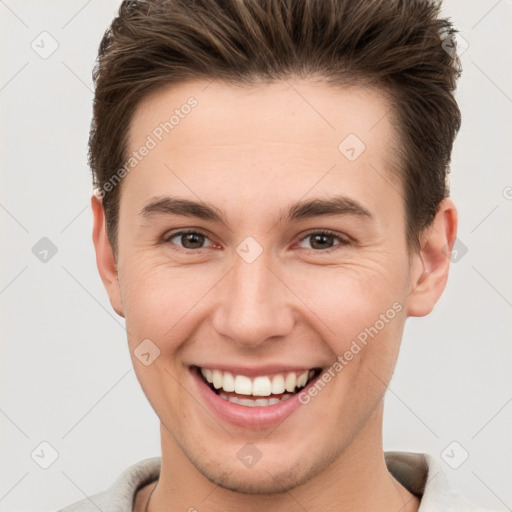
258, 386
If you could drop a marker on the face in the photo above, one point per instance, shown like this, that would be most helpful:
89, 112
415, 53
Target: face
262, 246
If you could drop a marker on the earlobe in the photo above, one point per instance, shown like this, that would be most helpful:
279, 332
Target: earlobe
430, 266
105, 259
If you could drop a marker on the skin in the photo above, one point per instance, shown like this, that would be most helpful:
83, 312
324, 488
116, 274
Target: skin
251, 152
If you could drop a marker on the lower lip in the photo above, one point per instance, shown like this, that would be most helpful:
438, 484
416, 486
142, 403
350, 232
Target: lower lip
248, 417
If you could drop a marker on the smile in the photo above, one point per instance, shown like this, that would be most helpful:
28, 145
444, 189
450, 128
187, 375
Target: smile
249, 391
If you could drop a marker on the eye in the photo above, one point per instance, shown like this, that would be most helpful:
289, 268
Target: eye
324, 241
189, 240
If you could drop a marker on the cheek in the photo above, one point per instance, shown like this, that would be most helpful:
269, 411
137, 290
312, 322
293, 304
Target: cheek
157, 298
352, 303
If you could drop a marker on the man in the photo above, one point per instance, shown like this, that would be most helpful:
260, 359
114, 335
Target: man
271, 207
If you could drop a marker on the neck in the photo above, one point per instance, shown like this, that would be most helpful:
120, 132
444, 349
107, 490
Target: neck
357, 479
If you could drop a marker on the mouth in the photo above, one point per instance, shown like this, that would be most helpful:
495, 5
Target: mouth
259, 390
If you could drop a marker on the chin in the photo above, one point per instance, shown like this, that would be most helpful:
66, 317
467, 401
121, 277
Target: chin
258, 481
270, 476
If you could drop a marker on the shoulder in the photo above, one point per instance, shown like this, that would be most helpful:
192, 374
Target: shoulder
424, 476
120, 496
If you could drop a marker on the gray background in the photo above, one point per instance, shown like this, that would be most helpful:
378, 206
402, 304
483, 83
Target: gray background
66, 375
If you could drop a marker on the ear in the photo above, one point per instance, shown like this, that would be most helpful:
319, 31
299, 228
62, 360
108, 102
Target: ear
430, 266
105, 259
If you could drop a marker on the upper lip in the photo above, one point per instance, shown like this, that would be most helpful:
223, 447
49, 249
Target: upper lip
254, 371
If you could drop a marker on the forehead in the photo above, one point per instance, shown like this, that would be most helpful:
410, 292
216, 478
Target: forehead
311, 111
287, 137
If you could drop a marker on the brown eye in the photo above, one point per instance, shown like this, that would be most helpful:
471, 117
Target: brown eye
323, 240
188, 239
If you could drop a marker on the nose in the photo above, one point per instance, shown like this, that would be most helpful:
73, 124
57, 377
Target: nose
253, 304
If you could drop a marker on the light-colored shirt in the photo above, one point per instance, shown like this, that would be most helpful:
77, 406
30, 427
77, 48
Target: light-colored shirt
419, 473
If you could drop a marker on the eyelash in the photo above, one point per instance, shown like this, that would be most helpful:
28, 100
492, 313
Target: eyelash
343, 240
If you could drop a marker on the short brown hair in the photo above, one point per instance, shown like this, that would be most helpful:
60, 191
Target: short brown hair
396, 45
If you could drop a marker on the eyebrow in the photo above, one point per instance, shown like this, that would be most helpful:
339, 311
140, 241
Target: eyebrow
338, 205
184, 207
